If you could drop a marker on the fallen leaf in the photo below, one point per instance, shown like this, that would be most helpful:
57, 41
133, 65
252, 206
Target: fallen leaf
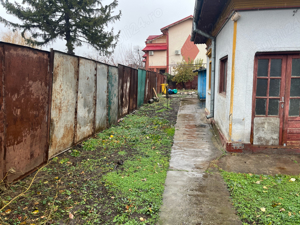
142, 219
8, 211
292, 180
46, 182
35, 212
144, 179
289, 213
258, 182
56, 178
263, 209
281, 210
36, 203
130, 189
280, 198
71, 216
264, 187
112, 197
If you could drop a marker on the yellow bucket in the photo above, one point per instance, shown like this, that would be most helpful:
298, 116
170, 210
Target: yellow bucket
164, 88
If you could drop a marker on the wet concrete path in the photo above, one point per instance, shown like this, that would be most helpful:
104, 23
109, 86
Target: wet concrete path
192, 196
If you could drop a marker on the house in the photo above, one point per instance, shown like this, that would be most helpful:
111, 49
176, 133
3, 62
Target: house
164, 51
253, 84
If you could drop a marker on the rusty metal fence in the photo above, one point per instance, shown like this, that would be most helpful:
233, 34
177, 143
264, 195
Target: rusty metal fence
25, 94
84, 100
50, 101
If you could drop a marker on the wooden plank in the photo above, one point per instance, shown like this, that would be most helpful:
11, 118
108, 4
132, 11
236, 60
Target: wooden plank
293, 143
293, 137
293, 131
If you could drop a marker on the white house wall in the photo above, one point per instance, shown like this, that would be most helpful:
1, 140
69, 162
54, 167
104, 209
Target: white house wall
208, 91
257, 31
222, 103
158, 59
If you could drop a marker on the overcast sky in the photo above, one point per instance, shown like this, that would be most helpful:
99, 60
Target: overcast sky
140, 18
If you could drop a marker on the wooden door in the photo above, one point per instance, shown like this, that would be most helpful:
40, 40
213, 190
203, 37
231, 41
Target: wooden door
291, 134
268, 94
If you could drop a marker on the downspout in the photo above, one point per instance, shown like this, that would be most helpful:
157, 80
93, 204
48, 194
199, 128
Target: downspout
213, 65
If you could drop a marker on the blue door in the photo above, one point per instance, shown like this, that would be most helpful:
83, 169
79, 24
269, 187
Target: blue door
202, 84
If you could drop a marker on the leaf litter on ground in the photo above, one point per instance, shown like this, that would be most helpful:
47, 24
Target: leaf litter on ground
117, 177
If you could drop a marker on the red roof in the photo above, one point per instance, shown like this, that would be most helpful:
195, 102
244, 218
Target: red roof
160, 47
151, 37
145, 56
179, 21
144, 60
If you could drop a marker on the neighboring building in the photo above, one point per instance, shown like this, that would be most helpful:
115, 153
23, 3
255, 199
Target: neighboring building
253, 83
164, 51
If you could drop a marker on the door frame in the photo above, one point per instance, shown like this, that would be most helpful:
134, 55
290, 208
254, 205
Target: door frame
285, 88
287, 118
282, 91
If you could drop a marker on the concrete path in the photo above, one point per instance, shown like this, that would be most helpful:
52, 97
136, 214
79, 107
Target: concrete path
192, 196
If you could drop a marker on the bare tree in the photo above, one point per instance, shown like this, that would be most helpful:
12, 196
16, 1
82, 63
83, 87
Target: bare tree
128, 56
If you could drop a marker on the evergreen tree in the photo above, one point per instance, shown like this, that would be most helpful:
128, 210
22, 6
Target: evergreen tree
77, 22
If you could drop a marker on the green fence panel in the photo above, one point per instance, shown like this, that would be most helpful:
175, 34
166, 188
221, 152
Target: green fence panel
141, 86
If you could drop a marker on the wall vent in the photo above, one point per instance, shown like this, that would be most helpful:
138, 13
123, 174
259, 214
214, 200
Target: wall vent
151, 53
177, 52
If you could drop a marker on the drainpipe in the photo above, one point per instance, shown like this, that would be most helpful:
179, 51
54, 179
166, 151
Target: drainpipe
213, 65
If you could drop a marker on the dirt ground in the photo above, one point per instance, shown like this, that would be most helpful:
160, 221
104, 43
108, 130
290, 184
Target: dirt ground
270, 164
71, 182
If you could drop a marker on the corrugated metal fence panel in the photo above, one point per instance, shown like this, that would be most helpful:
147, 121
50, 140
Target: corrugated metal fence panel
133, 90
64, 95
152, 84
86, 99
126, 91
2, 118
124, 85
141, 87
120, 90
113, 91
26, 104
147, 87
101, 104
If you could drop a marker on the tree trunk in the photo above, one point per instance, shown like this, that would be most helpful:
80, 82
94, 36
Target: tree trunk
68, 36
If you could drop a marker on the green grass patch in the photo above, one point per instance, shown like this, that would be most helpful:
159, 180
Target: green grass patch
115, 178
161, 110
264, 199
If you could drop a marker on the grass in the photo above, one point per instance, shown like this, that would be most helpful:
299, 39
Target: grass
117, 177
265, 199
